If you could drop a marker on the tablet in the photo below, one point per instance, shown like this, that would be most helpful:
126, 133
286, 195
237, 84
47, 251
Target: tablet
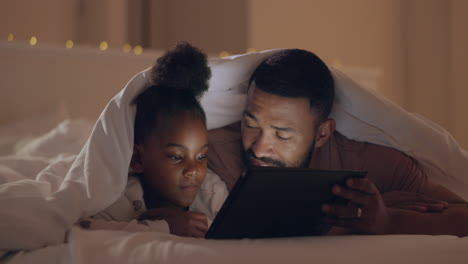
278, 202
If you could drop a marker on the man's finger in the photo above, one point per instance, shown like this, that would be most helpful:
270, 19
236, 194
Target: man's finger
354, 196
340, 211
362, 184
346, 223
436, 207
422, 207
417, 208
425, 207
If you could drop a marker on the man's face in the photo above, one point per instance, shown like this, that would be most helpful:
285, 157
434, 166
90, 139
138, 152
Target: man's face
277, 131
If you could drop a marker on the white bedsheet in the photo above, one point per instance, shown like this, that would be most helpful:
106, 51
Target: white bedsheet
149, 247
38, 212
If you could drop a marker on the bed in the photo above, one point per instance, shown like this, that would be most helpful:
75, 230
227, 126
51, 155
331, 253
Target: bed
47, 184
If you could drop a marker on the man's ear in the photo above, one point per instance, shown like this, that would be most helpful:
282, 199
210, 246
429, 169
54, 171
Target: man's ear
137, 159
324, 131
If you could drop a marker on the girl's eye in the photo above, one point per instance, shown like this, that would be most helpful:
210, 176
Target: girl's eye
202, 157
175, 157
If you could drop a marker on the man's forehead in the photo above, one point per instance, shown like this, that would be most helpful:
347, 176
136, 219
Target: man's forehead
275, 119
259, 100
283, 111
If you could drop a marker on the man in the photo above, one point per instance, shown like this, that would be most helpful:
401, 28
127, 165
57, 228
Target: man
286, 124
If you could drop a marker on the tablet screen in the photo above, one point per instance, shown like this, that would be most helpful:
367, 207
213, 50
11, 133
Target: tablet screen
278, 202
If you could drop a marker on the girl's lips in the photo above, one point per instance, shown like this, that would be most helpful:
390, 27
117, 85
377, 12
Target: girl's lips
190, 188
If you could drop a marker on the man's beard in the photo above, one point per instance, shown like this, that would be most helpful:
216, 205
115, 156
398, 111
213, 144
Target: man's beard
304, 163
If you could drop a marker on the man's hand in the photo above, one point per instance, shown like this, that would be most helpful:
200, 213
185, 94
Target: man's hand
365, 213
413, 201
181, 223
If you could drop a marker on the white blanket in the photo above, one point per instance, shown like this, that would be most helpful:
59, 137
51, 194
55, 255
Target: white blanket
98, 176
87, 247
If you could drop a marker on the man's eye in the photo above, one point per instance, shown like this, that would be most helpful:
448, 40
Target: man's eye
247, 125
282, 137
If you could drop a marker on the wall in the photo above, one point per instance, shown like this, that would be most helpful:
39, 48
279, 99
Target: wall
417, 47
458, 71
213, 25
102, 20
359, 33
78, 81
428, 60
49, 20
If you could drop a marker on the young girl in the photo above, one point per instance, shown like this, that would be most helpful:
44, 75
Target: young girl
171, 141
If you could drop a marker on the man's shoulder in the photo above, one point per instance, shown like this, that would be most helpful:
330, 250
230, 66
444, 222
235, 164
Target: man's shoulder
389, 168
365, 149
225, 153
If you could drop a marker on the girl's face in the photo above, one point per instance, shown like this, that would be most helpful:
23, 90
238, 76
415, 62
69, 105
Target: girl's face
173, 161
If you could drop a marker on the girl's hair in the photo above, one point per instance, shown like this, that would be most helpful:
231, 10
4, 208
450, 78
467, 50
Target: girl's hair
178, 79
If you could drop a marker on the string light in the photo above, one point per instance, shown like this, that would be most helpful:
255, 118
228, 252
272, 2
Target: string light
126, 48
103, 46
69, 44
138, 50
223, 54
33, 41
249, 50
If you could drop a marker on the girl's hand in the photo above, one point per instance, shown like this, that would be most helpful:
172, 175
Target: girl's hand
181, 223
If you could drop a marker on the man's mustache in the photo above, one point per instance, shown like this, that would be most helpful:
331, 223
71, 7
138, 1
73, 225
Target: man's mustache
267, 160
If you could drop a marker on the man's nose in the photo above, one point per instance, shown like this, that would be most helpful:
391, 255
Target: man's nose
262, 146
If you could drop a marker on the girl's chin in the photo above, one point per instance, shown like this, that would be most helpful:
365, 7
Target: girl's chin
186, 201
